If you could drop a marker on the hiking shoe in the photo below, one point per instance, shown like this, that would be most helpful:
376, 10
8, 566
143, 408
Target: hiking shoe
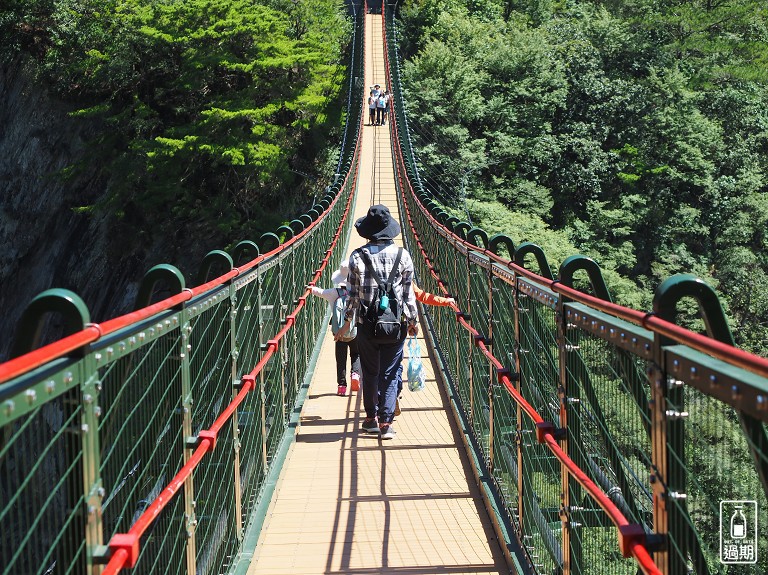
387, 432
355, 381
369, 425
342, 390
397, 407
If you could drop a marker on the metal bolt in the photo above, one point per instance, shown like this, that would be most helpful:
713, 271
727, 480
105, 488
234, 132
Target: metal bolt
97, 411
9, 407
84, 428
101, 492
31, 396
88, 398
50, 387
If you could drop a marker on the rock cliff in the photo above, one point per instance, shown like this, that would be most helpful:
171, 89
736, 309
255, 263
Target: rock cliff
45, 240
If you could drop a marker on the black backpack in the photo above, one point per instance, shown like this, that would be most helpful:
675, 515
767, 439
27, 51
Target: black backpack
381, 319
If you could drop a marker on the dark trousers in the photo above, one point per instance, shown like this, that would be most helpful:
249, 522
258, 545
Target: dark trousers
341, 359
380, 115
380, 362
371, 116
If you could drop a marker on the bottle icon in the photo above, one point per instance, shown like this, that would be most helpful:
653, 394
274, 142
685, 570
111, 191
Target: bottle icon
738, 524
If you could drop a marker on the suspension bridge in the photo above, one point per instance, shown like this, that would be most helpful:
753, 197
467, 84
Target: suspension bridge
559, 433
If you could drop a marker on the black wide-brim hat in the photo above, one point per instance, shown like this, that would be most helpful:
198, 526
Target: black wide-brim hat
378, 224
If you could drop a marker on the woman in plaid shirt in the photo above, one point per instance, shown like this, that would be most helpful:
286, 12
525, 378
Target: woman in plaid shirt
379, 361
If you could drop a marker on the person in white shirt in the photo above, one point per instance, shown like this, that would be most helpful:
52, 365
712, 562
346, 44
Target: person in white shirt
339, 279
372, 101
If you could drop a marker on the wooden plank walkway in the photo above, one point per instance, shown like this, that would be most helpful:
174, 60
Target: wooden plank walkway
346, 502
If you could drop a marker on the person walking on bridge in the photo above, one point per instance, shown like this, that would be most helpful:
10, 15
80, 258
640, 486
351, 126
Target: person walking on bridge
372, 102
379, 271
336, 297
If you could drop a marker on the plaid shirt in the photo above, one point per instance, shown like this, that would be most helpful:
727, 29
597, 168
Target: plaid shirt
362, 287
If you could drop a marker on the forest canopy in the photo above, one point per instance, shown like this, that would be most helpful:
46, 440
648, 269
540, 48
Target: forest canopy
633, 131
220, 113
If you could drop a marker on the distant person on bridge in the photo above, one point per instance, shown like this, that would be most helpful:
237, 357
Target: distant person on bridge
372, 99
370, 266
387, 101
336, 296
381, 107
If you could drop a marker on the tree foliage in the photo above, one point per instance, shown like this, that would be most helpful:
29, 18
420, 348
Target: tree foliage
637, 128
210, 108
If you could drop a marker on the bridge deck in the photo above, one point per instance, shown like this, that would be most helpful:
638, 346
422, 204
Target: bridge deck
347, 502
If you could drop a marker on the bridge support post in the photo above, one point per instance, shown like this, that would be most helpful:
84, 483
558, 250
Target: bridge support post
293, 333
235, 377
491, 376
470, 345
569, 398
186, 429
262, 383
519, 411
283, 308
93, 489
659, 458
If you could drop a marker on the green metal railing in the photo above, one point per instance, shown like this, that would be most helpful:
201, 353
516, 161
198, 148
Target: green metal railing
97, 426
665, 423
91, 439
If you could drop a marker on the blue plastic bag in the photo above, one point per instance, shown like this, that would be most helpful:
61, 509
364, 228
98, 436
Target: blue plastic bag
416, 375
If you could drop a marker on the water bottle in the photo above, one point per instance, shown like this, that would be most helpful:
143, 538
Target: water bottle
384, 302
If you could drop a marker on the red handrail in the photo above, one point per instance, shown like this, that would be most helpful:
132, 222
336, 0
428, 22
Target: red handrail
124, 547
631, 536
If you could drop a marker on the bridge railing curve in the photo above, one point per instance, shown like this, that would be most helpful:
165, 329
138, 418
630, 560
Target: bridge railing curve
612, 436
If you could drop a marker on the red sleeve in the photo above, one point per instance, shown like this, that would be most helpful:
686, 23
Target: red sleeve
429, 298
